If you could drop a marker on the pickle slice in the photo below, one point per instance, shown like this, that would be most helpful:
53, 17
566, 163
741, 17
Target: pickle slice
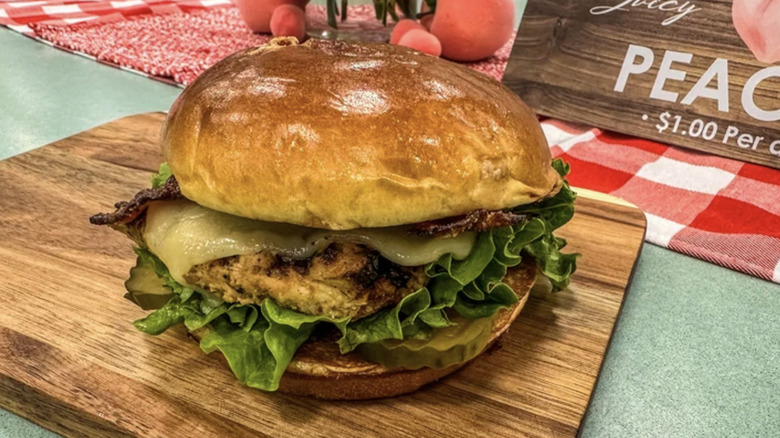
145, 288
447, 346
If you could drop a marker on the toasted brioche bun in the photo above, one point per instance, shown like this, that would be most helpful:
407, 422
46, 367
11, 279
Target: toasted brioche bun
319, 370
341, 135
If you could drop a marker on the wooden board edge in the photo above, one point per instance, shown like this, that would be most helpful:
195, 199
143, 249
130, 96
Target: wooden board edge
610, 199
611, 338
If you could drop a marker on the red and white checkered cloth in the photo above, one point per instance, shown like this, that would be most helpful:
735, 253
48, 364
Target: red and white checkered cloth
171, 41
18, 15
713, 208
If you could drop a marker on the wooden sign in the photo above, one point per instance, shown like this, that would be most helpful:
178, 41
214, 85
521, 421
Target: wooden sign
703, 74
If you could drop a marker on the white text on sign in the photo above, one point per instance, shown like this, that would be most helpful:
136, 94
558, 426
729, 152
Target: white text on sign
678, 9
711, 131
639, 60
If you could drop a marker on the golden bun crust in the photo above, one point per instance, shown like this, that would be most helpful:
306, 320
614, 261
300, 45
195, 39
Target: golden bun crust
341, 135
319, 370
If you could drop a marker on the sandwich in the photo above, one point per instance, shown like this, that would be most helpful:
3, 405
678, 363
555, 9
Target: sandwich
343, 220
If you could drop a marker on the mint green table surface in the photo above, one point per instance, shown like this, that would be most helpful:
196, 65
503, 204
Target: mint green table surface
696, 352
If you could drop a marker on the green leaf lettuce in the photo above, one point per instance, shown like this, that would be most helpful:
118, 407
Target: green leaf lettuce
162, 175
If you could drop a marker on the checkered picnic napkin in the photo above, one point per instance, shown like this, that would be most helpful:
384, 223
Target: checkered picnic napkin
713, 208
18, 15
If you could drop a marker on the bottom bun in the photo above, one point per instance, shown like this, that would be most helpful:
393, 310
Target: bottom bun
319, 370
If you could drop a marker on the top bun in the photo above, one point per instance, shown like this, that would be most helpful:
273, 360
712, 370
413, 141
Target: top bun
340, 135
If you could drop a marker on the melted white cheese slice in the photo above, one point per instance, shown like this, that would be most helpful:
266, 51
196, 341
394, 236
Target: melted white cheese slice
184, 234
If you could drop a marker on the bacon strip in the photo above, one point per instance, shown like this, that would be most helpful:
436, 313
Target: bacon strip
477, 220
127, 211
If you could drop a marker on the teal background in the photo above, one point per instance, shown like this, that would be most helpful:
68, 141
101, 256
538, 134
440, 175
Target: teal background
696, 351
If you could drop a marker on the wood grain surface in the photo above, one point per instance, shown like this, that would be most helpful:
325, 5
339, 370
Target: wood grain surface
72, 362
566, 61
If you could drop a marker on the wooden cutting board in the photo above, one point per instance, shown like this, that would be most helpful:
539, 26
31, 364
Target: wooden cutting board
71, 361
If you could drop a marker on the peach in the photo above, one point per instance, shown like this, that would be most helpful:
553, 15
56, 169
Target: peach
471, 30
422, 40
758, 24
289, 20
401, 28
257, 13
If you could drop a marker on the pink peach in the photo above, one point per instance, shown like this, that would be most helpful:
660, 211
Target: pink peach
421, 40
758, 24
471, 30
257, 13
401, 28
289, 20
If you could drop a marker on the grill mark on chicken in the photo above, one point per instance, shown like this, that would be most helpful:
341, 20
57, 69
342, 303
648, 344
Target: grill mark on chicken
398, 277
344, 279
330, 254
379, 267
282, 264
